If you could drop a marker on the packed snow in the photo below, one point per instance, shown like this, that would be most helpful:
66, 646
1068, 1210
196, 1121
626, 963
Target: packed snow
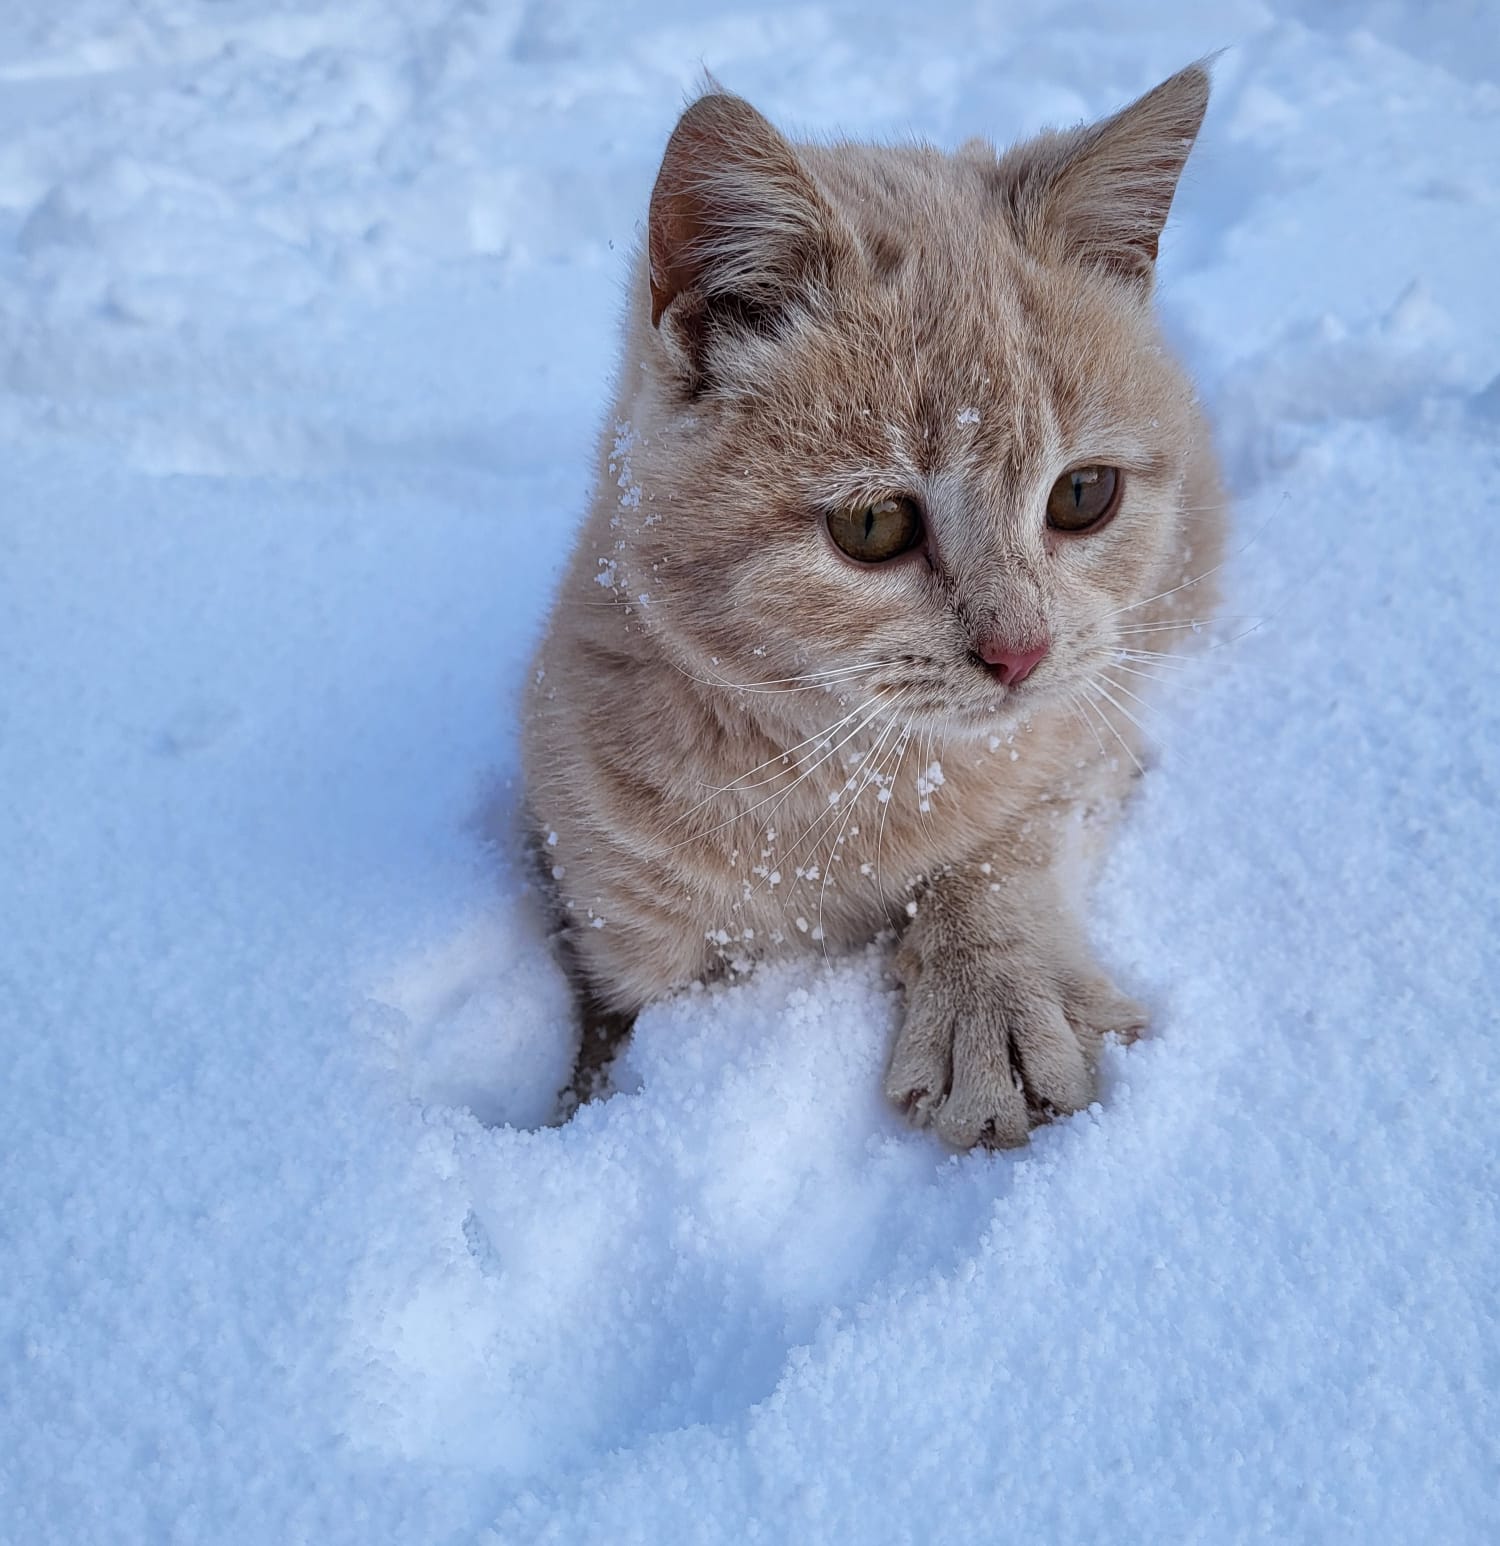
307, 317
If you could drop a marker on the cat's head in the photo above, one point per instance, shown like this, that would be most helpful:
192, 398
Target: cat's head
912, 423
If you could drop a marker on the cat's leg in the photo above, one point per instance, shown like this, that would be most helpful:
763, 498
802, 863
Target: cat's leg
1005, 1010
615, 971
602, 1034
602, 1037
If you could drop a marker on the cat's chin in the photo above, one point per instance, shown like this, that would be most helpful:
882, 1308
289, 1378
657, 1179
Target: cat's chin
999, 716
980, 722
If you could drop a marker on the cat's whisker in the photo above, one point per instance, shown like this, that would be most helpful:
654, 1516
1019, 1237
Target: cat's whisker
903, 742
828, 686
786, 759
839, 835
1200, 512
1100, 686
780, 796
809, 682
1077, 710
1198, 625
1244, 547
786, 794
1163, 595
833, 673
1253, 623
824, 819
924, 806
1114, 730
1307, 580
1158, 671
1150, 708
873, 772
1189, 633
1176, 672
1187, 663
884, 775
1151, 676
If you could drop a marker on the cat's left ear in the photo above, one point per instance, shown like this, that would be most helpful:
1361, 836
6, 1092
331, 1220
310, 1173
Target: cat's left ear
1099, 195
738, 230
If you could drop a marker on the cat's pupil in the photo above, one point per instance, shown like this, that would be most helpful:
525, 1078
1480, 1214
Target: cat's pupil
1083, 498
874, 533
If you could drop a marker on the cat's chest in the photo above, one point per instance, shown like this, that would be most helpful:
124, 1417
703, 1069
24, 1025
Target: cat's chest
827, 852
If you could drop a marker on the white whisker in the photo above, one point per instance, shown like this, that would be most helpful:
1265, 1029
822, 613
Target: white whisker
1077, 706
791, 789
902, 742
783, 794
825, 818
818, 739
1157, 658
1248, 543
1150, 676
809, 682
1113, 729
1134, 697
853, 805
1098, 683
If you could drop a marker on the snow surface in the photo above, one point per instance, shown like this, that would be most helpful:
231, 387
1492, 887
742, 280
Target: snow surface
307, 311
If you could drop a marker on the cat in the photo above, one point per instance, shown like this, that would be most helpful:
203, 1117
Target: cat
901, 500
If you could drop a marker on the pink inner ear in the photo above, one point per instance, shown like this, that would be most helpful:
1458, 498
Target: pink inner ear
733, 211
714, 139
679, 218
673, 231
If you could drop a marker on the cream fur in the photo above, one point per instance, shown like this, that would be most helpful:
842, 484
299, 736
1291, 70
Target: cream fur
731, 726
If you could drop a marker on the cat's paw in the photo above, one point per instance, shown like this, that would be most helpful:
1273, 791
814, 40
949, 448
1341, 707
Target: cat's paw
995, 1042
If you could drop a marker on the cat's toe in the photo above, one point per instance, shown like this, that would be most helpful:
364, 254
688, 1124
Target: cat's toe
1095, 1008
1015, 1065
922, 1063
921, 1107
987, 1114
917, 1091
1053, 1060
989, 1052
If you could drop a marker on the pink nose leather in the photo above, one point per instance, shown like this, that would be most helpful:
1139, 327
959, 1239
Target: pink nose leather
1011, 663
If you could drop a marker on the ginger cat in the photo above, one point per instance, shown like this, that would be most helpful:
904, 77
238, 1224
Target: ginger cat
901, 495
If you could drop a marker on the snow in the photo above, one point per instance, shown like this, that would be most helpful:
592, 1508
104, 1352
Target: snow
307, 314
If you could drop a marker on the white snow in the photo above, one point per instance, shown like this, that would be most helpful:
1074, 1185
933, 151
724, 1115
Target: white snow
307, 316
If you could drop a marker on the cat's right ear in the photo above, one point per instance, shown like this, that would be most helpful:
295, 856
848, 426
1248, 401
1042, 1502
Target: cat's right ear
1099, 196
737, 228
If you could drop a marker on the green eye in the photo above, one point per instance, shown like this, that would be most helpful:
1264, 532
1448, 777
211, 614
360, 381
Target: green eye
1084, 498
874, 533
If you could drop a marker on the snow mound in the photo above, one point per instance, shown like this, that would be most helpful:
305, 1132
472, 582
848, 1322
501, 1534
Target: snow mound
306, 316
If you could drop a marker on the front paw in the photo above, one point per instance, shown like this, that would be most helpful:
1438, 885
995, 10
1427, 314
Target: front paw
994, 1043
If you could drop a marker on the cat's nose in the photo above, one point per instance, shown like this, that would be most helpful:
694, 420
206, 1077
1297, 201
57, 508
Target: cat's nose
1009, 662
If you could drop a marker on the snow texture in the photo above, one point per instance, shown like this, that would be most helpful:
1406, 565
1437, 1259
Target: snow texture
307, 313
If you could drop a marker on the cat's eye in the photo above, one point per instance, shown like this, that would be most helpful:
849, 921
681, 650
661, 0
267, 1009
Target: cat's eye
1084, 498
874, 533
